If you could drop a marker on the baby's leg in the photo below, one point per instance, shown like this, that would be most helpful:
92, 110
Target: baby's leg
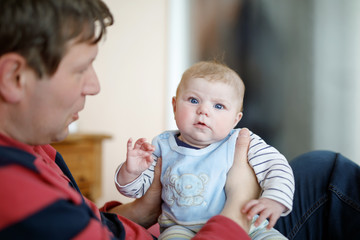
176, 232
261, 233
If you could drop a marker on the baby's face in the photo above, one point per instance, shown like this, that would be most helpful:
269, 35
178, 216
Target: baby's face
205, 112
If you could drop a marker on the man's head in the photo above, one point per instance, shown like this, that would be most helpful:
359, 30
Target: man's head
46, 72
40, 30
208, 103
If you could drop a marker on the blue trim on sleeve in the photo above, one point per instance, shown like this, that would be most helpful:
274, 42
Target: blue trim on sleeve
60, 220
11, 155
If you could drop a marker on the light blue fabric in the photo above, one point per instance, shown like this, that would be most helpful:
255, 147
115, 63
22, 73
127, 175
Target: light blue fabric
193, 179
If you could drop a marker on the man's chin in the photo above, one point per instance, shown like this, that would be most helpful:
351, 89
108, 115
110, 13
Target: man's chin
61, 136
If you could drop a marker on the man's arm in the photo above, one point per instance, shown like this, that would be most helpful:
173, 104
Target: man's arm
241, 185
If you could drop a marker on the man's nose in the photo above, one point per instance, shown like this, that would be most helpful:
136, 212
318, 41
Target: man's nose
92, 84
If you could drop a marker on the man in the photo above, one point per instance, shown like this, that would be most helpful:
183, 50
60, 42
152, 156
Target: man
47, 48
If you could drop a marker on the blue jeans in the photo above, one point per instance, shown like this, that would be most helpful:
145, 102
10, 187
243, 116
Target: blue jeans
326, 200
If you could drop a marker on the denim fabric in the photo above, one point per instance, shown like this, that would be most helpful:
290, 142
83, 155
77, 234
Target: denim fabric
326, 200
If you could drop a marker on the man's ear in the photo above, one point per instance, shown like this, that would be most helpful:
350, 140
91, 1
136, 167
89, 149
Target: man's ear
238, 118
11, 67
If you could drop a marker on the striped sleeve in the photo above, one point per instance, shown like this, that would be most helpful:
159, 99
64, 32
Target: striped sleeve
140, 185
273, 172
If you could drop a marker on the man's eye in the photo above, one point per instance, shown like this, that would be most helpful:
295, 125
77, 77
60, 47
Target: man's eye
83, 69
193, 100
219, 106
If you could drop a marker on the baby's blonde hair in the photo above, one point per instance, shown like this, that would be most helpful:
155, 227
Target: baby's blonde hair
214, 72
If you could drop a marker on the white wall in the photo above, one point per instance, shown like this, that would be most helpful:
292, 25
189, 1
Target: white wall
178, 50
336, 77
131, 66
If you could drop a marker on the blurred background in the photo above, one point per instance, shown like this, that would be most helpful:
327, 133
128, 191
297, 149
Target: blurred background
300, 61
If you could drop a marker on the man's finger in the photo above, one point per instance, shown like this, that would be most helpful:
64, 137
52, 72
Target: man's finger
242, 146
157, 174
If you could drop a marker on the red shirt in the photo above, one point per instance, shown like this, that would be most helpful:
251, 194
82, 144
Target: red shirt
41, 200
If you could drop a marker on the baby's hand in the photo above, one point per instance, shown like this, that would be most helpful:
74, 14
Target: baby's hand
138, 158
265, 208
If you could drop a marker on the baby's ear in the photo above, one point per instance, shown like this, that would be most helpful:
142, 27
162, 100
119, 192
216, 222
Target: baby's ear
238, 117
174, 104
11, 68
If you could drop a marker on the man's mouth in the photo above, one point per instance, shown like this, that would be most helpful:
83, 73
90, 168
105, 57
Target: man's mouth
75, 116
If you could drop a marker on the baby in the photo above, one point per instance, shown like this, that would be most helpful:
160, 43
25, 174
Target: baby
197, 157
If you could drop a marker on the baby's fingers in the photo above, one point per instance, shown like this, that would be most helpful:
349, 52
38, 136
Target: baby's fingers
272, 220
129, 144
252, 208
139, 143
262, 217
249, 205
148, 147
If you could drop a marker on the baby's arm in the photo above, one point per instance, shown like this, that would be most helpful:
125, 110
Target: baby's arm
276, 180
138, 159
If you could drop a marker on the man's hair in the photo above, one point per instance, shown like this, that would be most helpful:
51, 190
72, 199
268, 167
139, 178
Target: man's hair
213, 72
40, 30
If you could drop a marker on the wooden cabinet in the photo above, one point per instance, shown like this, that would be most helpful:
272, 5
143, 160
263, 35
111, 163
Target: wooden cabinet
83, 155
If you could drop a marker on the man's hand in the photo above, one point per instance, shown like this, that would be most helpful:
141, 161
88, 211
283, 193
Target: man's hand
265, 208
241, 185
150, 203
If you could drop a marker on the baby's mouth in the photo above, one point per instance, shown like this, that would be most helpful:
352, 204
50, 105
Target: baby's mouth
201, 124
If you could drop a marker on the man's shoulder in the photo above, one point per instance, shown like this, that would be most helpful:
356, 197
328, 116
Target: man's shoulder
10, 156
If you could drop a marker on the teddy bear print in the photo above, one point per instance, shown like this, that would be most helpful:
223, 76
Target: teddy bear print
185, 190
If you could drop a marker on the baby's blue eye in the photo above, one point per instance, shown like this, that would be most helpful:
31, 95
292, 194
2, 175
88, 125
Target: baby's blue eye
194, 100
219, 106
